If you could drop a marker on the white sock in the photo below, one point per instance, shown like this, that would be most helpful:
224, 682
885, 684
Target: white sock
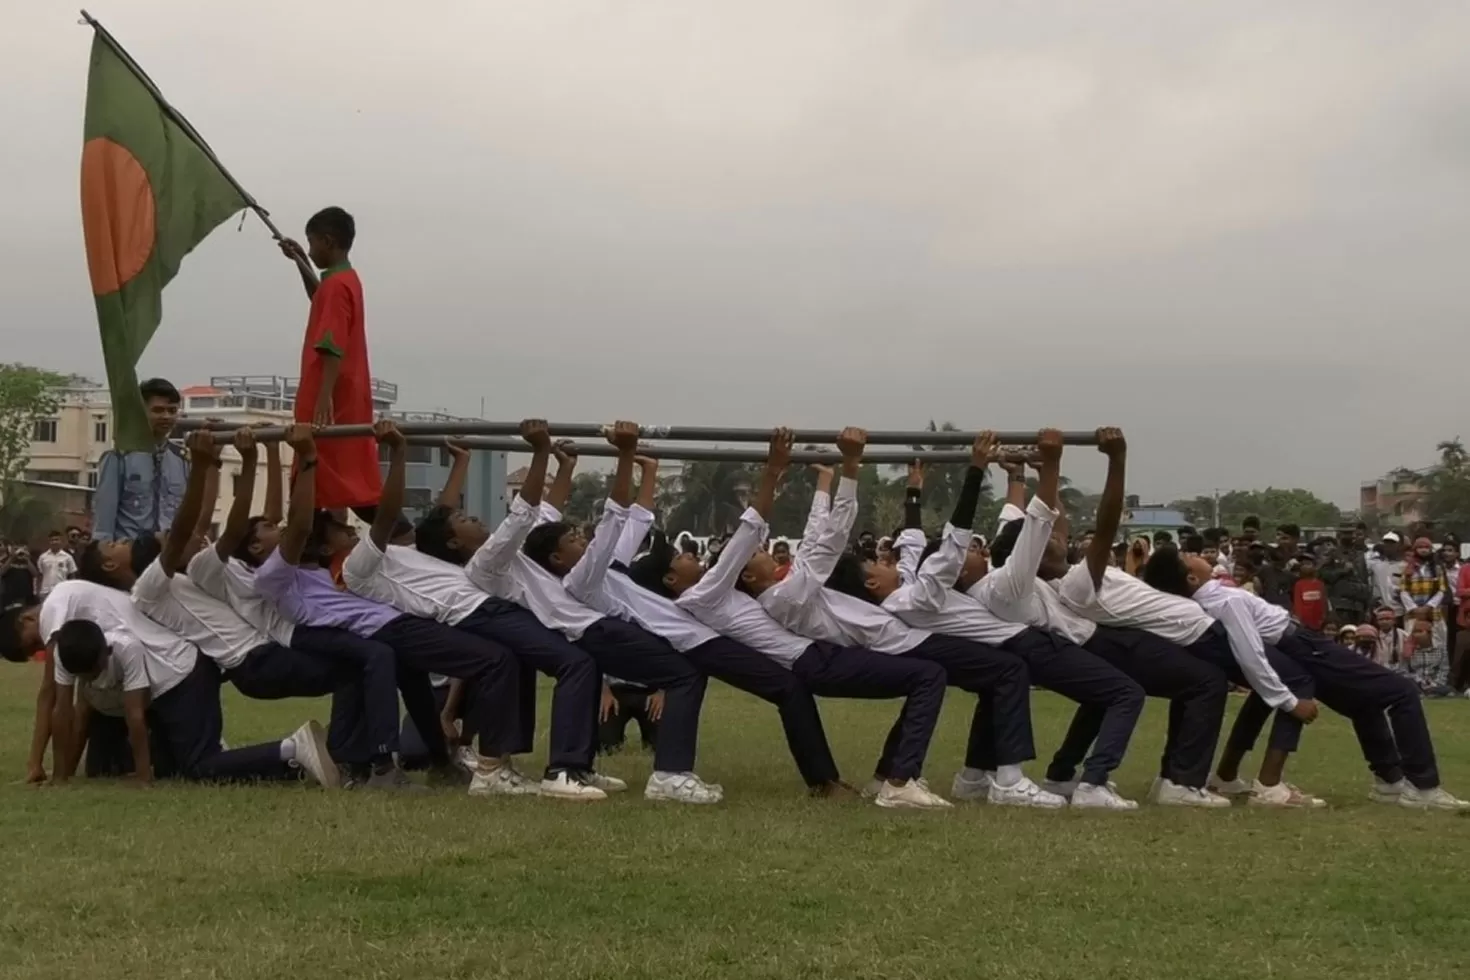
973, 775
288, 750
1008, 775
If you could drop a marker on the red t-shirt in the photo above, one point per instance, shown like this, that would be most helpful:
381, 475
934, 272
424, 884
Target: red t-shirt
1309, 602
347, 473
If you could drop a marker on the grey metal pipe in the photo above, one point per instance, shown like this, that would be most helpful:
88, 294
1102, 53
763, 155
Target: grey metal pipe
690, 433
712, 453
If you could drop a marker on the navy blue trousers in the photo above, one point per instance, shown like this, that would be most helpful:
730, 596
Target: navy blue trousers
1196, 691
745, 670
1286, 731
1384, 707
413, 749
830, 671
190, 723
364, 725
488, 670
1000, 726
575, 697
634, 654
1094, 684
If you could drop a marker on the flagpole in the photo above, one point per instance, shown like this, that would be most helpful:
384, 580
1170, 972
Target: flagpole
192, 133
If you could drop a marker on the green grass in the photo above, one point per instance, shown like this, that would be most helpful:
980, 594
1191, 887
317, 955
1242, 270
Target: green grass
99, 881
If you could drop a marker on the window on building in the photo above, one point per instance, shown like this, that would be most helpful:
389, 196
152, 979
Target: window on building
444, 459
53, 476
200, 401
92, 477
415, 454
44, 430
99, 430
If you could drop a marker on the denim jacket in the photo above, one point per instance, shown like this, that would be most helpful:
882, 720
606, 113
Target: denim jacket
138, 493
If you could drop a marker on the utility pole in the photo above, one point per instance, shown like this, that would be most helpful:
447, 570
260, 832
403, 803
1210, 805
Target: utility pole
1217, 508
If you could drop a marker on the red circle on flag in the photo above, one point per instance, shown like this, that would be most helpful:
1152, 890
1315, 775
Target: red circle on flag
118, 214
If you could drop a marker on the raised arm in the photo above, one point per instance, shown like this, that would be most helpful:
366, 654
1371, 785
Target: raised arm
587, 576
452, 496
238, 521
851, 441
1110, 508
635, 532
500, 549
561, 485
390, 505
1049, 478
274, 498
297, 254
303, 495
203, 463
718, 581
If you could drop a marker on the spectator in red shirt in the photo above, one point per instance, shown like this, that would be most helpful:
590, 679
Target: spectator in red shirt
1309, 596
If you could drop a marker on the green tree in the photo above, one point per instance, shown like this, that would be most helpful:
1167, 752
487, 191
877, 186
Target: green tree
1274, 506
27, 394
709, 497
1448, 484
589, 490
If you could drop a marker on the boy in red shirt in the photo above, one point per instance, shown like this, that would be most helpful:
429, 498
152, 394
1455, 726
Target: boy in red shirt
336, 382
1309, 596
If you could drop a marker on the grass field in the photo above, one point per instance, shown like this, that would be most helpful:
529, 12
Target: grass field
99, 881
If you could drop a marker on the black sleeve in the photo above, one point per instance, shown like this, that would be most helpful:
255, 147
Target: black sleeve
912, 514
964, 508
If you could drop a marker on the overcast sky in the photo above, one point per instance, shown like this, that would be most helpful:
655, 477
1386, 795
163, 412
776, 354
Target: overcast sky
1236, 229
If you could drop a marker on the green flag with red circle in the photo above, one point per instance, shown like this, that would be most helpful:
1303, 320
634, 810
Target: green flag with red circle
151, 191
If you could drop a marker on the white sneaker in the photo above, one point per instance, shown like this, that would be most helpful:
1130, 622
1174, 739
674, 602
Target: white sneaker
1172, 794
969, 789
1090, 797
606, 783
1229, 787
912, 795
871, 789
312, 757
501, 780
1282, 796
566, 786
1430, 799
1388, 792
680, 787
466, 758
1025, 793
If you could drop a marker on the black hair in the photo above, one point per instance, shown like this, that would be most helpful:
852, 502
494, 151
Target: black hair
10, 646
145, 551
1192, 543
159, 388
849, 578
55, 534
1163, 537
1005, 542
648, 571
1361, 526
1212, 535
433, 533
1188, 529
315, 550
1120, 549
1165, 571
543, 541
80, 647
242, 550
1290, 530
336, 224
1251, 521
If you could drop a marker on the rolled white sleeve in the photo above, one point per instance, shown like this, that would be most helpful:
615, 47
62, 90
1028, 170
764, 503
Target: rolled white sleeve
498, 553
640, 519
131, 658
1077, 588
152, 587
364, 562
1014, 581
941, 570
910, 547
207, 570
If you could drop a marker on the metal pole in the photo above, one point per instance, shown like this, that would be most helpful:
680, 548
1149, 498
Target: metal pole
714, 453
190, 131
594, 430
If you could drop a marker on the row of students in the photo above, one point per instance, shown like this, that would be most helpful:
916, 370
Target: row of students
490, 609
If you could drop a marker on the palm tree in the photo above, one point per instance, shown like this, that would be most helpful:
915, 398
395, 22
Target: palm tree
710, 499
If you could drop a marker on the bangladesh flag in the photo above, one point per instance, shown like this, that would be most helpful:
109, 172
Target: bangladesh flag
151, 191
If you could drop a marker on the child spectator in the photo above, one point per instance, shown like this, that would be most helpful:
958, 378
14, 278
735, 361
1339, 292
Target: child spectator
1392, 641
1427, 664
1309, 596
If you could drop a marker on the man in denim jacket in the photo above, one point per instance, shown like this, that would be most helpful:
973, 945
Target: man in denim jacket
137, 493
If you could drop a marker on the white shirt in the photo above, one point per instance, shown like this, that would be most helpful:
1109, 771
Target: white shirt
411, 582
1127, 601
1251, 622
909, 546
932, 602
233, 583
716, 603
1014, 593
135, 640
55, 567
802, 603
619, 596
183, 607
